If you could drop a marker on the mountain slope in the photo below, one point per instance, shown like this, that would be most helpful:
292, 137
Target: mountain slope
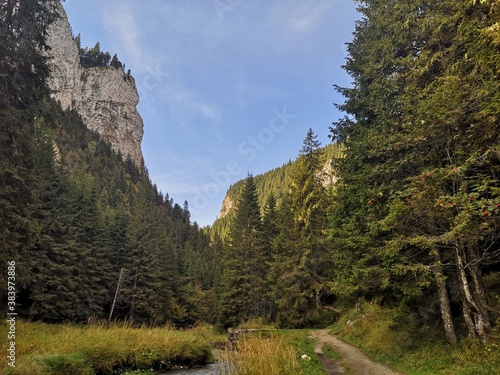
275, 182
76, 217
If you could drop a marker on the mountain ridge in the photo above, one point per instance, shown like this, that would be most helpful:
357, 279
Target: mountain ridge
275, 180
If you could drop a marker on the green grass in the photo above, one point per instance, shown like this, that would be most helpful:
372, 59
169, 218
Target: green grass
43, 349
301, 340
330, 353
380, 334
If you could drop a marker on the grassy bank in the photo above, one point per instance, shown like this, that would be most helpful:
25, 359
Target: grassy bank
388, 337
273, 352
43, 349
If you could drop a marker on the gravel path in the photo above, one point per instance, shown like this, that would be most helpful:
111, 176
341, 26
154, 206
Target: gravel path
352, 357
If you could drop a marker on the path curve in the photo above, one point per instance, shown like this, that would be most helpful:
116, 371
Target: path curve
352, 357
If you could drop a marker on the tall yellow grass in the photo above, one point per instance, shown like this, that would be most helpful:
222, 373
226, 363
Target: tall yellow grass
261, 356
59, 349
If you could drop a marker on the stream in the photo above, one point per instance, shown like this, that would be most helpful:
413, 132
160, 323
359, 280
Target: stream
212, 369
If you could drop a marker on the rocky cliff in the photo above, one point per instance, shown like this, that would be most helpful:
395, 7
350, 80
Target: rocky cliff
227, 205
105, 97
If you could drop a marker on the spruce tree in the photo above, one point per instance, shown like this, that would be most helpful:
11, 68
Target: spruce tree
302, 261
22, 77
149, 264
244, 277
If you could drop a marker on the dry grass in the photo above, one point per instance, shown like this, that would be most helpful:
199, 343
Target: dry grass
43, 349
262, 356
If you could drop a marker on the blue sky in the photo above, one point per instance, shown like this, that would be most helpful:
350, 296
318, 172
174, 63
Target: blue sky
227, 87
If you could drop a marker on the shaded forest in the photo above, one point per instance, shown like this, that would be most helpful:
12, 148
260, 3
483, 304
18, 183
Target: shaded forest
75, 213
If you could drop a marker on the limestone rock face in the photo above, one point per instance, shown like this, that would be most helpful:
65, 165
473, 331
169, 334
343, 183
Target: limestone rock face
327, 175
105, 97
227, 205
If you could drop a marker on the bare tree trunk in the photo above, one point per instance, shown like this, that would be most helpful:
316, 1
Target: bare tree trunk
444, 303
468, 318
483, 321
317, 299
475, 302
116, 295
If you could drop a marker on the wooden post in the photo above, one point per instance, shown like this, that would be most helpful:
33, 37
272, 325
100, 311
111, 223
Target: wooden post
116, 295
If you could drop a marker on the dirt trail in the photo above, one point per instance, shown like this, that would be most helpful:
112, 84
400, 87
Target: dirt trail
352, 357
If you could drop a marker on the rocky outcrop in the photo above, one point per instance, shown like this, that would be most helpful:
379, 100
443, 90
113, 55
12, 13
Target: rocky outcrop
105, 97
227, 204
327, 175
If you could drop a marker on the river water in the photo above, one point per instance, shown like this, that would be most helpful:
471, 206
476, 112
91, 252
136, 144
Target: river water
213, 369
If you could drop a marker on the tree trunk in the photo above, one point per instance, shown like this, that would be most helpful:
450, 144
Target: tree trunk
476, 303
468, 318
116, 296
444, 303
483, 323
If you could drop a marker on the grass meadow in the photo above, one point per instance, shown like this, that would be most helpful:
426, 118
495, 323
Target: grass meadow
44, 349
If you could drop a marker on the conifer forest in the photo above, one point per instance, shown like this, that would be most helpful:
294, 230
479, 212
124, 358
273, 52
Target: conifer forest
411, 219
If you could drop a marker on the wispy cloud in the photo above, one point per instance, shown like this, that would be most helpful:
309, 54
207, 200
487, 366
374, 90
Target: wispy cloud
309, 15
185, 103
121, 22
159, 75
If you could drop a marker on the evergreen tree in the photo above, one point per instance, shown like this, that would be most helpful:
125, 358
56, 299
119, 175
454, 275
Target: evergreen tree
244, 278
22, 77
149, 263
302, 259
52, 259
270, 224
115, 63
92, 273
270, 233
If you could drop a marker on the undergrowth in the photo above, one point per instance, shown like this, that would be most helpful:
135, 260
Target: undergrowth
389, 336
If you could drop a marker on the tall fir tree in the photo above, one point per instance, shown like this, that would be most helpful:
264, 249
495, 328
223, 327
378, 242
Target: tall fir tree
302, 263
23, 72
244, 277
149, 265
